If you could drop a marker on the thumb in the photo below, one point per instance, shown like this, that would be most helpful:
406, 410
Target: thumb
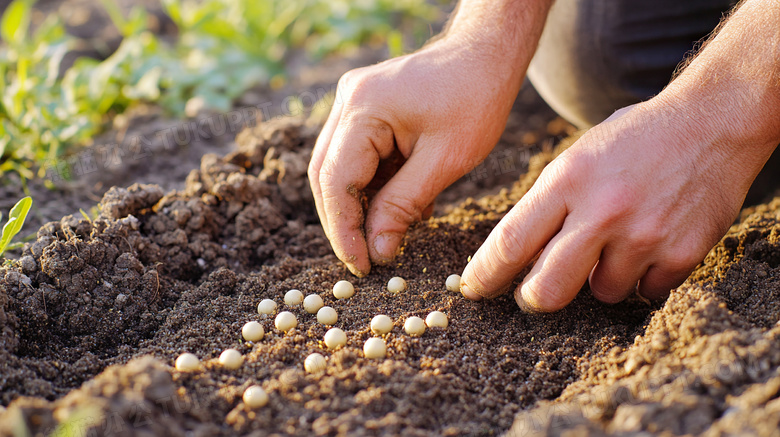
404, 200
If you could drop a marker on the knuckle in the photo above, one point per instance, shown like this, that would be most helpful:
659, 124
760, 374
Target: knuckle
614, 204
509, 245
401, 208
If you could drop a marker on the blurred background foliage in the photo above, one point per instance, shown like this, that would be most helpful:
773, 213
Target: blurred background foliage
221, 49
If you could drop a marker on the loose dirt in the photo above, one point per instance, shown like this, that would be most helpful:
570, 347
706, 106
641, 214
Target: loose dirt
95, 311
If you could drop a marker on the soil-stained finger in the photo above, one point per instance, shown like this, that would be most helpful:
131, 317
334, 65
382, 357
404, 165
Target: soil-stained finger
404, 200
561, 270
349, 166
617, 273
318, 157
517, 238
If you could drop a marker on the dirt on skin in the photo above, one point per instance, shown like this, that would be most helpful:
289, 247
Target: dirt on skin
94, 313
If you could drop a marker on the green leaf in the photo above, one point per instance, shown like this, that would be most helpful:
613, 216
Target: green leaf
16, 20
15, 222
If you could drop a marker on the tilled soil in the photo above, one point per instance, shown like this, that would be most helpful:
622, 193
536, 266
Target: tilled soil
94, 313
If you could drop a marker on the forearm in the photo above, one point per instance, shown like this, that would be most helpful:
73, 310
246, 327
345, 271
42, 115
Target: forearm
505, 32
733, 85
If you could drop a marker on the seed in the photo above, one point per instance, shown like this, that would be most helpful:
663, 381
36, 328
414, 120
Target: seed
374, 347
231, 359
381, 324
327, 316
436, 319
453, 283
293, 298
314, 363
187, 362
313, 303
266, 306
255, 397
343, 290
396, 285
253, 331
335, 338
414, 326
285, 321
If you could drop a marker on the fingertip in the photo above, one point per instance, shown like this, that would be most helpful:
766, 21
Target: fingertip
359, 269
466, 291
534, 296
385, 247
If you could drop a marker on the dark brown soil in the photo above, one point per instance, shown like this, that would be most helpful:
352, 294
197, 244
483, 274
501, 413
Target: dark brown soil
94, 313
155, 275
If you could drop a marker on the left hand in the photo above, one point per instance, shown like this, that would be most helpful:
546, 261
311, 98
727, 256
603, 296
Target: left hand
635, 204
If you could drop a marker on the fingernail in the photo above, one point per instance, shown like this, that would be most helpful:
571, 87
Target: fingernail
526, 301
466, 291
386, 246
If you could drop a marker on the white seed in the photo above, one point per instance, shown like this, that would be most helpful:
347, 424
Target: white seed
187, 362
253, 331
255, 397
327, 316
414, 326
335, 338
374, 347
293, 298
266, 306
396, 285
231, 359
285, 321
313, 303
436, 319
453, 283
381, 324
315, 363
343, 290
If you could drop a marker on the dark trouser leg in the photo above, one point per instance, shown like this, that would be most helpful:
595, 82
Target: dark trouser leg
597, 56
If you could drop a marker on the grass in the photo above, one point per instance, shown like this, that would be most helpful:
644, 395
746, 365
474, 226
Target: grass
223, 48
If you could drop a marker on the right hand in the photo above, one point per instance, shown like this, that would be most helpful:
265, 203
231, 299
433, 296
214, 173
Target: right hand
398, 134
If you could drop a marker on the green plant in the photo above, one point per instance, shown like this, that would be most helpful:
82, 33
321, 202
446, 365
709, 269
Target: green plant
15, 222
224, 47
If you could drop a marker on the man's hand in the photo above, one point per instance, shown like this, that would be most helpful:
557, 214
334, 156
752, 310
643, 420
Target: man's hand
639, 200
403, 130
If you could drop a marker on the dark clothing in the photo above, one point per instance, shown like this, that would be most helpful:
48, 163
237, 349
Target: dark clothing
597, 56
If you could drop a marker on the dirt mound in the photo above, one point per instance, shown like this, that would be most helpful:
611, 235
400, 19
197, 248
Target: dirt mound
95, 311
708, 363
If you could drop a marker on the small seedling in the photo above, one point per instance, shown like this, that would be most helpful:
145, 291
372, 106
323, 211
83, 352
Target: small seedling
414, 326
255, 397
231, 359
266, 306
253, 331
343, 290
335, 338
396, 285
374, 347
187, 362
436, 319
453, 283
313, 303
327, 316
315, 363
293, 298
15, 222
381, 324
285, 321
